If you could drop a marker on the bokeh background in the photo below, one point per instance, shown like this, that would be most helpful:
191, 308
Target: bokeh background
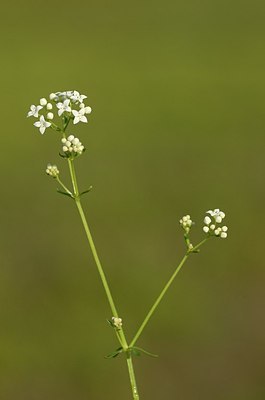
178, 96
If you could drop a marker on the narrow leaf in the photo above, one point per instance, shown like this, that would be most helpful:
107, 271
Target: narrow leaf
140, 350
115, 353
85, 191
64, 193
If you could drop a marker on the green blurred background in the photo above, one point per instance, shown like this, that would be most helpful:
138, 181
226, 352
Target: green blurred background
177, 90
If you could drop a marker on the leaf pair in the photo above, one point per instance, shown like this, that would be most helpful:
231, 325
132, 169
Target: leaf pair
136, 351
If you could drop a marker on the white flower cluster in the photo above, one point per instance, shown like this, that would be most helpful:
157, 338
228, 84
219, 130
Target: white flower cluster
72, 146
52, 170
186, 223
212, 223
64, 101
117, 322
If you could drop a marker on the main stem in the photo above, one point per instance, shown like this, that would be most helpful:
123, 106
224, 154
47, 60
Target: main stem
120, 333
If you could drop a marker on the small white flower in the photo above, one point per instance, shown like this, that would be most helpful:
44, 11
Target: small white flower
117, 322
43, 102
212, 227
62, 107
52, 170
53, 96
49, 106
224, 228
34, 111
69, 93
50, 115
76, 97
42, 124
216, 214
79, 116
206, 229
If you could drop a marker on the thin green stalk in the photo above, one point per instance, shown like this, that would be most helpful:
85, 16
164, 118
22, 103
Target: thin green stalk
162, 294
132, 376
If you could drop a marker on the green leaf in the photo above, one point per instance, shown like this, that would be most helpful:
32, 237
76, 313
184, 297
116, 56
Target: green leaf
85, 191
115, 353
62, 155
135, 352
110, 323
138, 350
64, 193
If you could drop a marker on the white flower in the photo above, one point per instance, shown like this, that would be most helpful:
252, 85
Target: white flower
34, 111
62, 107
206, 229
53, 96
86, 108
52, 170
43, 102
49, 106
69, 93
217, 214
79, 116
76, 97
42, 124
117, 322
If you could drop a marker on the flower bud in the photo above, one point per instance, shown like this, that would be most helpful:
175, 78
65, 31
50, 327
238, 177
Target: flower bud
43, 102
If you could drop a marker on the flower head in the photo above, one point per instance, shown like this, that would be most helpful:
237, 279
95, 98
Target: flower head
52, 170
42, 124
69, 104
72, 146
186, 223
212, 223
117, 322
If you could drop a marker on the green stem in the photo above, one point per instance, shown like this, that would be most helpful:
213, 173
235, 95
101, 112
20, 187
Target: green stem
63, 186
162, 294
132, 376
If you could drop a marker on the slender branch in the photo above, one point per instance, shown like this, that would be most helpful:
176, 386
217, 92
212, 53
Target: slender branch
63, 186
162, 294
